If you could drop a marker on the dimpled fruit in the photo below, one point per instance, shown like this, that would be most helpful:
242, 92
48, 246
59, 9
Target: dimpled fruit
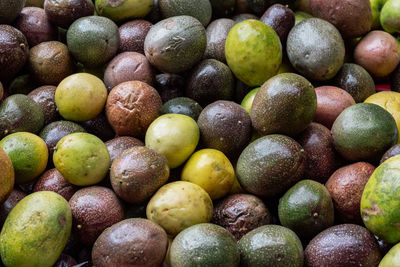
93, 40
7, 176
175, 136
253, 52
80, 97
316, 49
28, 154
179, 205
285, 104
214, 246
120, 10
389, 101
36, 230
380, 201
364, 131
210, 169
82, 159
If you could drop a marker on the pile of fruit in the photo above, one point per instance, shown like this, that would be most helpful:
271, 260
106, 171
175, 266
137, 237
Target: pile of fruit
200, 133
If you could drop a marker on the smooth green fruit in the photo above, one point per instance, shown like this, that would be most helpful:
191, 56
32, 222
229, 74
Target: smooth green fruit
390, 16
179, 205
93, 40
36, 230
376, 7
199, 9
247, 101
20, 113
364, 132
271, 245
82, 159
380, 201
253, 52
80, 97
214, 246
28, 154
299, 16
175, 136
306, 208
392, 258
122, 10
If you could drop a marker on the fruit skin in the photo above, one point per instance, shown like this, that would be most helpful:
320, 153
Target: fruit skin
132, 235
376, 7
390, 101
182, 105
7, 177
215, 246
390, 16
217, 32
93, 40
346, 186
19, 113
343, 245
199, 9
247, 101
253, 52
392, 258
28, 153
306, 48
393, 151
306, 208
175, 136
285, 104
210, 169
73, 94
82, 159
44, 97
352, 18
270, 165
122, 10
10, 9
179, 205
36, 230
364, 132
281, 19
379, 202
271, 245
175, 44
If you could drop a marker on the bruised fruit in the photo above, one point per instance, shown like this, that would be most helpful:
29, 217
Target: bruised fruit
137, 173
270, 165
240, 213
175, 44
93, 210
346, 186
307, 46
131, 107
253, 52
74, 92
179, 205
131, 242
41, 219
215, 246
28, 154
81, 158
285, 104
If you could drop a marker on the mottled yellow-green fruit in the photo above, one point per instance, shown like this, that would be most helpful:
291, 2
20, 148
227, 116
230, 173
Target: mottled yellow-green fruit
247, 101
28, 153
175, 136
121, 10
253, 52
36, 230
178, 205
380, 201
392, 258
82, 159
80, 97
212, 170
236, 188
6, 176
